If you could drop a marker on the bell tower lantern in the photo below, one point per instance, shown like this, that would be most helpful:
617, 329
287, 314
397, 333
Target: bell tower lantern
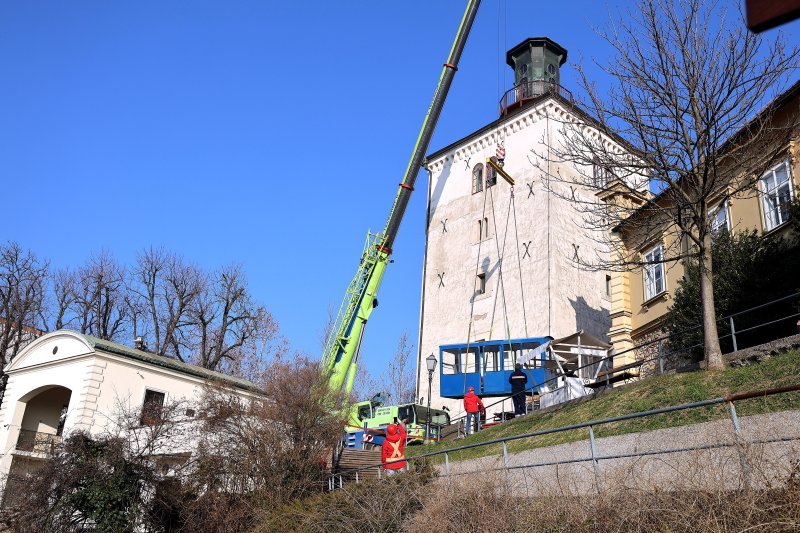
537, 59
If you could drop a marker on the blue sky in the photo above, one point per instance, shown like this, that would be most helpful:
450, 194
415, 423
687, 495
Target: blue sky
272, 134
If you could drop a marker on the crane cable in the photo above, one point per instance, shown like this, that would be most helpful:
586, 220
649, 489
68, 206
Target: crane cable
474, 281
512, 207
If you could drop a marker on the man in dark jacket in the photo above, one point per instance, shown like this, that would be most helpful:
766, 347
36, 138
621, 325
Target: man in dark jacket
518, 380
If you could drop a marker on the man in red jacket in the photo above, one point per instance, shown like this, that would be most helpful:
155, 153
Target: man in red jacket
394, 448
473, 406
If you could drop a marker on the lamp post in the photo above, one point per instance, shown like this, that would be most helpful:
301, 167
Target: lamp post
431, 362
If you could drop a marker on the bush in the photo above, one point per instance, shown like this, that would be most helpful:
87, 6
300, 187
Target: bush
749, 269
87, 485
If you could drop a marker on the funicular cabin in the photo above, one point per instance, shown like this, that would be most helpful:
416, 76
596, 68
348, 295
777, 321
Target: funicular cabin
487, 365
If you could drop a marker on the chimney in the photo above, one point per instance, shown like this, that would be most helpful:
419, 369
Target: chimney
139, 344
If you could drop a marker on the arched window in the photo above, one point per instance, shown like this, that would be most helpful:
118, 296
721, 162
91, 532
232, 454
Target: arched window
477, 178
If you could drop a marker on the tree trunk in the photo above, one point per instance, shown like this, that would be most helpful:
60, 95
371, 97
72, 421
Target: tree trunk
711, 347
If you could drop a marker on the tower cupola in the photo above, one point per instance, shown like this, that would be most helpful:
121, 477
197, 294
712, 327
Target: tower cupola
537, 70
537, 59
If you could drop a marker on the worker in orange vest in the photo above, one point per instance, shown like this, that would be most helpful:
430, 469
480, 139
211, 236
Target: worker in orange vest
473, 406
394, 448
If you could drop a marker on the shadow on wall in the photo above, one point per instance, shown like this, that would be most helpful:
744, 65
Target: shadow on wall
436, 194
596, 321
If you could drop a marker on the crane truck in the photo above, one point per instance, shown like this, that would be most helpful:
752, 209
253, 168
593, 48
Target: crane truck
341, 352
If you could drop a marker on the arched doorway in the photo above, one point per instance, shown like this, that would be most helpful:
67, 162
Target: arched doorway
43, 419
44, 412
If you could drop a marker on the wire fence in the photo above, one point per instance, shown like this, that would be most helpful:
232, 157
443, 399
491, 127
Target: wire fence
662, 356
739, 442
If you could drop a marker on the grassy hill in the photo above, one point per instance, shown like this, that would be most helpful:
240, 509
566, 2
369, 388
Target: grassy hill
651, 393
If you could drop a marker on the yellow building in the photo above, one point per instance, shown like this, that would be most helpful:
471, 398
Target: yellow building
641, 297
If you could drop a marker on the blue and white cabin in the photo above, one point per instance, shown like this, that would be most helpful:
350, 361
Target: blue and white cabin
487, 365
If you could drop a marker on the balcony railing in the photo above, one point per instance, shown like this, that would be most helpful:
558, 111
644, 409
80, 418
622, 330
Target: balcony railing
35, 442
519, 94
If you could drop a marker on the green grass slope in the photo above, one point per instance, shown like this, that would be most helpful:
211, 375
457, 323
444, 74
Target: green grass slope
651, 393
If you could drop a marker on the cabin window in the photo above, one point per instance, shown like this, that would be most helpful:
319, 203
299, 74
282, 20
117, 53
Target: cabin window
451, 363
406, 413
477, 178
509, 357
491, 360
469, 361
152, 407
364, 412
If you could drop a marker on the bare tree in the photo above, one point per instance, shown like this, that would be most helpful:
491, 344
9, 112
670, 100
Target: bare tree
232, 330
22, 300
98, 299
687, 87
167, 288
273, 447
398, 377
62, 291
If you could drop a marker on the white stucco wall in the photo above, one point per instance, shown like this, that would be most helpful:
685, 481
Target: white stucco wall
102, 386
558, 298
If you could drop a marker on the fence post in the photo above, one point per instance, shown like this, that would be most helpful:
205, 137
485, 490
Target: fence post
505, 454
661, 357
733, 334
447, 464
379, 472
356, 477
340, 481
594, 460
737, 430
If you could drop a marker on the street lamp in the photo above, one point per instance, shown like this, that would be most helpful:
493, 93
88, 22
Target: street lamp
431, 362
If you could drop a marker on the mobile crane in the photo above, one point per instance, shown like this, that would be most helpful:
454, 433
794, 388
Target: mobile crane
340, 355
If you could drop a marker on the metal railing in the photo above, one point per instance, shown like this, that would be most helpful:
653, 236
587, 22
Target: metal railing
36, 442
529, 90
337, 479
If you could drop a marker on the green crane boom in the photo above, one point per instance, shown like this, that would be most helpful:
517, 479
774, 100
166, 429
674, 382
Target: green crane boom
340, 356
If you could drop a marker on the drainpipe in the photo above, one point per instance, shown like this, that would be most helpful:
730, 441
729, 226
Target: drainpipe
424, 278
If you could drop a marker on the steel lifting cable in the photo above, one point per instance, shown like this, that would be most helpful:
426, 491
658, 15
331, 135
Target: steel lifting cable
500, 271
519, 265
474, 281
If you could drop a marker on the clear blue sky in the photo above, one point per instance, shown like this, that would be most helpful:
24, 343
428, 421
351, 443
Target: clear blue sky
267, 133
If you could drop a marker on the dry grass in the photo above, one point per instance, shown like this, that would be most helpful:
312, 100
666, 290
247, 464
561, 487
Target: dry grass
489, 504
703, 491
